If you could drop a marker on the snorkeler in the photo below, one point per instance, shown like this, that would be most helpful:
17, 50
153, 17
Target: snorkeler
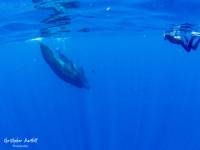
179, 38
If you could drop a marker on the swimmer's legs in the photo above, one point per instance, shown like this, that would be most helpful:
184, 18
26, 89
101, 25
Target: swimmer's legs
196, 43
185, 44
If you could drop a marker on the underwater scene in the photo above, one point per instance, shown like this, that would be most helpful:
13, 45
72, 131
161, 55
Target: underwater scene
100, 75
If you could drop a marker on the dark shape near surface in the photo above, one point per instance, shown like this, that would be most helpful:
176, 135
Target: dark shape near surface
57, 20
72, 4
85, 30
64, 68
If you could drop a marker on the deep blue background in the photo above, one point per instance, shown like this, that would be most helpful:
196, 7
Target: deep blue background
144, 95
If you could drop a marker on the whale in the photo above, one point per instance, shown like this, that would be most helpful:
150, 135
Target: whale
64, 68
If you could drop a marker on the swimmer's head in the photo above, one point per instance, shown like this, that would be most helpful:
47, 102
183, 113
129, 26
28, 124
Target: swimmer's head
177, 39
166, 36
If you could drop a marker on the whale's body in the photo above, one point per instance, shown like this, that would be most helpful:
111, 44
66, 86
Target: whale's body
64, 68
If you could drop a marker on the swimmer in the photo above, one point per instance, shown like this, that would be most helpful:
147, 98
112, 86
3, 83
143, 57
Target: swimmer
177, 37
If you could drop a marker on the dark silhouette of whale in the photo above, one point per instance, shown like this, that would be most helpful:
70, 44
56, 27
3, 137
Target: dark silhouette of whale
64, 68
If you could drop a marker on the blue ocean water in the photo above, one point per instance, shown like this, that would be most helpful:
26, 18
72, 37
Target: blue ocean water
144, 91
